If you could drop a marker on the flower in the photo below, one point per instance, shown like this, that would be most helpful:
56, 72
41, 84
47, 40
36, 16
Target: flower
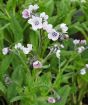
53, 35
64, 28
47, 27
29, 46
36, 22
18, 46
27, 49
76, 41
33, 7
62, 46
58, 53
26, 13
37, 64
83, 71
5, 51
81, 49
44, 16
83, 42
51, 100
87, 66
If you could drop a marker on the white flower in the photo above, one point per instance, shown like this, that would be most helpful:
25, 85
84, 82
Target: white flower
87, 66
27, 49
33, 7
83, 71
76, 41
18, 46
81, 49
36, 22
62, 46
5, 51
83, 42
44, 16
37, 64
51, 100
53, 35
47, 27
64, 28
58, 53
26, 13
29, 46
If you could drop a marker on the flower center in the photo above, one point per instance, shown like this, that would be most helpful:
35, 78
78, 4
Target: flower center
36, 22
54, 34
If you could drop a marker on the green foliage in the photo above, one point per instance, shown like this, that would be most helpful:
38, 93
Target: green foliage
58, 77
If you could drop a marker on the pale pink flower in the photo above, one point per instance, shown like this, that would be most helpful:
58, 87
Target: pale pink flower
53, 35
83, 42
47, 27
51, 100
37, 64
44, 16
36, 22
26, 13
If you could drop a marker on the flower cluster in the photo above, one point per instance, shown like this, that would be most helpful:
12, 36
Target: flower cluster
79, 42
40, 22
25, 50
84, 70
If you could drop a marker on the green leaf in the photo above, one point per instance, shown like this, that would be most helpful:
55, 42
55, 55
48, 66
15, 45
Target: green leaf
5, 64
64, 93
2, 87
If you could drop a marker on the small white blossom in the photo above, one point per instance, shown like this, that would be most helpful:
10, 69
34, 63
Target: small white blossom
63, 27
33, 7
37, 64
83, 42
27, 49
44, 16
5, 51
51, 100
18, 46
83, 71
81, 49
26, 13
29, 46
76, 41
53, 35
87, 66
58, 53
36, 22
62, 46
47, 27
